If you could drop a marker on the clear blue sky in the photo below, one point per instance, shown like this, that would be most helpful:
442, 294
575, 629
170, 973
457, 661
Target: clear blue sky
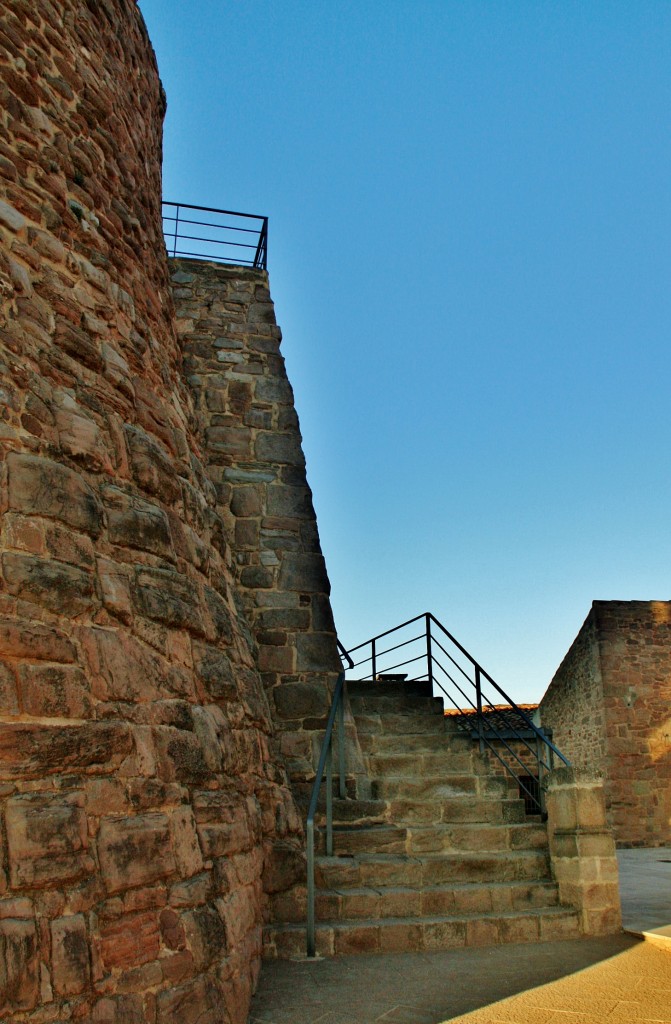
470, 257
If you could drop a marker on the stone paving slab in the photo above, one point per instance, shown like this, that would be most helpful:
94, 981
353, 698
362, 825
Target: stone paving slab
427, 988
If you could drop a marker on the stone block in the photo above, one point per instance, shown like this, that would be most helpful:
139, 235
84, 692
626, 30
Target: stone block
172, 929
199, 1001
8, 692
123, 668
245, 501
301, 700
54, 691
215, 672
41, 487
33, 641
152, 466
70, 955
185, 844
126, 1009
295, 502
304, 572
47, 840
169, 597
63, 589
19, 966
279, 448
115, 589
181, 756
317, 652
205, 936
33, 749
217, 618
136, 523
135, 851
130, 941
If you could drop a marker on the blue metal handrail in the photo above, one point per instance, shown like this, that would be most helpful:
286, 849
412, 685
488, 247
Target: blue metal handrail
488, 722
326, 763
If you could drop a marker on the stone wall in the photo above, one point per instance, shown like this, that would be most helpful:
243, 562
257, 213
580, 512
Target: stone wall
141, 807
251, 443
609, 707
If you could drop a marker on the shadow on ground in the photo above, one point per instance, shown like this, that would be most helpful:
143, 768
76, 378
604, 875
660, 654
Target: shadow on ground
430, 988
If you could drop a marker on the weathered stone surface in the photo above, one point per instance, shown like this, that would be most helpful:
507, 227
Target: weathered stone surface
35, 641
47, 840
301, 700
280, 448
39, 486
57, 691
304, 572
123, 668
169, 597
19, 969
130, 941
205, 936
70, 955
31, 749
152, 467
60, 587
197, 1002
8, 691
136, 523
135, 851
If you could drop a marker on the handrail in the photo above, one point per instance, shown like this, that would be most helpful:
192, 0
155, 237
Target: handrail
482, 710
325, 761
222, 241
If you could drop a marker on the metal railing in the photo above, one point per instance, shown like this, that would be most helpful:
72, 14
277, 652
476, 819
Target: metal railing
224, 236
427, 651
326, 764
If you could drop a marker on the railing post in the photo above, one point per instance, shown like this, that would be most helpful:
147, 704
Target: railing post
329, 801
372, 645
311, 887
341, 743
478, 698
429, 655
174, 247
540, 767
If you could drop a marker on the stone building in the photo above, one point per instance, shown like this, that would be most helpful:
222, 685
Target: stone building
167, 646
160, 567
609, 707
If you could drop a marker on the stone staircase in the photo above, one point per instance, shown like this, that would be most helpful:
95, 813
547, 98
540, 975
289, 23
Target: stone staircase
432, 853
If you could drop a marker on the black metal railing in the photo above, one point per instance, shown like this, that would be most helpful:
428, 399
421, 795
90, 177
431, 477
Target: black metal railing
326, 765
224, 236
422, 649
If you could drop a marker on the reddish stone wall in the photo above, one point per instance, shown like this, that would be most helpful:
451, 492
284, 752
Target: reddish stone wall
252, 445
139, 803
620, 668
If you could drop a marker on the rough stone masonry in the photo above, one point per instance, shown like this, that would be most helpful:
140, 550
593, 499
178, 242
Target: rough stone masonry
166, 639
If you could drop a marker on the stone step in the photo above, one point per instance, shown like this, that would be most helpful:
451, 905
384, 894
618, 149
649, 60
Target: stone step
381, 870
405, 901
377, 703
402, 934
443, 787
421, 742
394, 723
367, 688
353, 811
434, 838
412, 765
457, 809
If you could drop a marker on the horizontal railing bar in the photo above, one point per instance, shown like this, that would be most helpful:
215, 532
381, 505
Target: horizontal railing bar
217, 241
214, 209
202, 256
400, 664
397, 647
374, 639
210, 224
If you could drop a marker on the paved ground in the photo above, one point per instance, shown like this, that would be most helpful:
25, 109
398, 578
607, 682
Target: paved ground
614, 980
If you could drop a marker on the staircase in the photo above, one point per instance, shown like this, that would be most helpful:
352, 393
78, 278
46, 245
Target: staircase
432, 853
